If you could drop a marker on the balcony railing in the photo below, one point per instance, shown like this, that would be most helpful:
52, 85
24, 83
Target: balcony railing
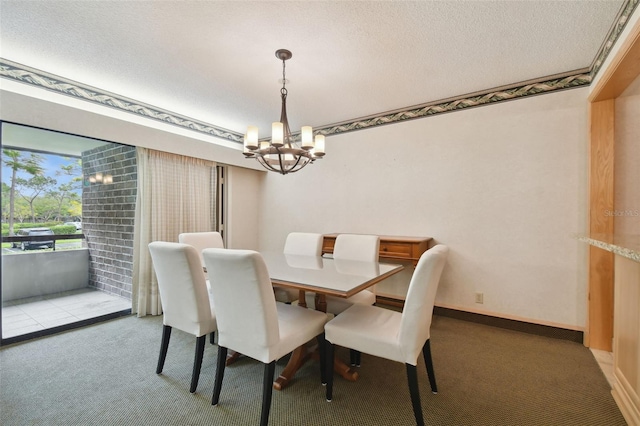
36, 238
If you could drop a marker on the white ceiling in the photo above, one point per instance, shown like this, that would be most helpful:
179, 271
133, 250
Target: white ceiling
214, 60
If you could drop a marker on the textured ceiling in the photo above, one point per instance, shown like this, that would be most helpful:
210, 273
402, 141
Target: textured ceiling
214, 61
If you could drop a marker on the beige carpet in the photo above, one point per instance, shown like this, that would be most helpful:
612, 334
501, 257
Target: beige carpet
105, 375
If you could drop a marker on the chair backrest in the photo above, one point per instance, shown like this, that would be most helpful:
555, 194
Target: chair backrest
354, 267
244, 302
303, 262
182, 286
202, 240
357, 247
418, 307
303, 243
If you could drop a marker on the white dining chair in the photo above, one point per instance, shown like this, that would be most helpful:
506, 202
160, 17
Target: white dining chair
303, 244
298, 244
250, 320
363, 248
359, 248
397, 336
184, 298
202, 240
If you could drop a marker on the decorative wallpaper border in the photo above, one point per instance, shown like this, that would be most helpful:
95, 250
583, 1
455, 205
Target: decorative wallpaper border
42, 79
621, 21
453, 104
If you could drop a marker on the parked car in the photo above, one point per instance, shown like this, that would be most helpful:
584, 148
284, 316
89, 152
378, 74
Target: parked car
78, 225
30, 245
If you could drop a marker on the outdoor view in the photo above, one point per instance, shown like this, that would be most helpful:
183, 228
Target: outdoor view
48, 280
41, 194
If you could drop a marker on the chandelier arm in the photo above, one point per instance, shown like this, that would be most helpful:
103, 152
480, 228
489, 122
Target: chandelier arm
266, 165
298, 162
299, 168
282, 168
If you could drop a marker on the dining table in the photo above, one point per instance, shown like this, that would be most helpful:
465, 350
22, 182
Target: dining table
323, 276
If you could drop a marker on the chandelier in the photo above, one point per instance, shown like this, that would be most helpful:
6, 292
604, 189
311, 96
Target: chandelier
284, 153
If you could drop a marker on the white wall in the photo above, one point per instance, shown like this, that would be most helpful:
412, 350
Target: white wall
504, 186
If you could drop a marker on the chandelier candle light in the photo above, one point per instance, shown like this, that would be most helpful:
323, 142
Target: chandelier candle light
283, 154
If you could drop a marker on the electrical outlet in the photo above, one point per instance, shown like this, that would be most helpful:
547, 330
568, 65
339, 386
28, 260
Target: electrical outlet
479, 298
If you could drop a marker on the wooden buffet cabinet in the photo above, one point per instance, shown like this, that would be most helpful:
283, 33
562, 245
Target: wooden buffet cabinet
391, 248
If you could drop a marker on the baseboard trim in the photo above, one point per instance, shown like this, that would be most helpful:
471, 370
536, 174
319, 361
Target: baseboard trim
510, 324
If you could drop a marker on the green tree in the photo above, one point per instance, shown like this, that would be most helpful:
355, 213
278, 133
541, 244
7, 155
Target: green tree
67, 191
46, 208
21, 209
16, 161
64, 203
75, 208
36, 185
5, 202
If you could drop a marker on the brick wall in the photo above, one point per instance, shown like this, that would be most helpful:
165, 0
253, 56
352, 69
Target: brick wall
108, 214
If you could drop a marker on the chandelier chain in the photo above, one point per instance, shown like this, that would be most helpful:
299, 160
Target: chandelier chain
284, 78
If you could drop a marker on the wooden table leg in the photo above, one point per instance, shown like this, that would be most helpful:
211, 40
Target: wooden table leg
232, 357
301, 354
302, 299
298, 357
344, 370
321, 302
341, 368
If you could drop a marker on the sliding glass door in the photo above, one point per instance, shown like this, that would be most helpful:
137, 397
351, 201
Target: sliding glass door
65, 200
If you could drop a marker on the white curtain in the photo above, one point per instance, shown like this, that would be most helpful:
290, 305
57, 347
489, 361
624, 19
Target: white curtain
175, 194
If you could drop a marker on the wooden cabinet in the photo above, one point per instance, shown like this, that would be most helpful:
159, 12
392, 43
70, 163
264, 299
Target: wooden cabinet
626, 338
398, 248
626, 320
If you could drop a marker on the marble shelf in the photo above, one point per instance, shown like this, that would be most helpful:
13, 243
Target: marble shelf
624, 245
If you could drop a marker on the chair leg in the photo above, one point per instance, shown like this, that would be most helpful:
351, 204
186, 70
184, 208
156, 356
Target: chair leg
329, 373
197, 362
267, 390
222, 362
166, 335
354, 357
426, 353
412, 376
322, 346
212, 338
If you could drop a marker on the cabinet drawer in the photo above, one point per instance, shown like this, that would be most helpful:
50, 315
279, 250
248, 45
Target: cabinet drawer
328, 243
395, 249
